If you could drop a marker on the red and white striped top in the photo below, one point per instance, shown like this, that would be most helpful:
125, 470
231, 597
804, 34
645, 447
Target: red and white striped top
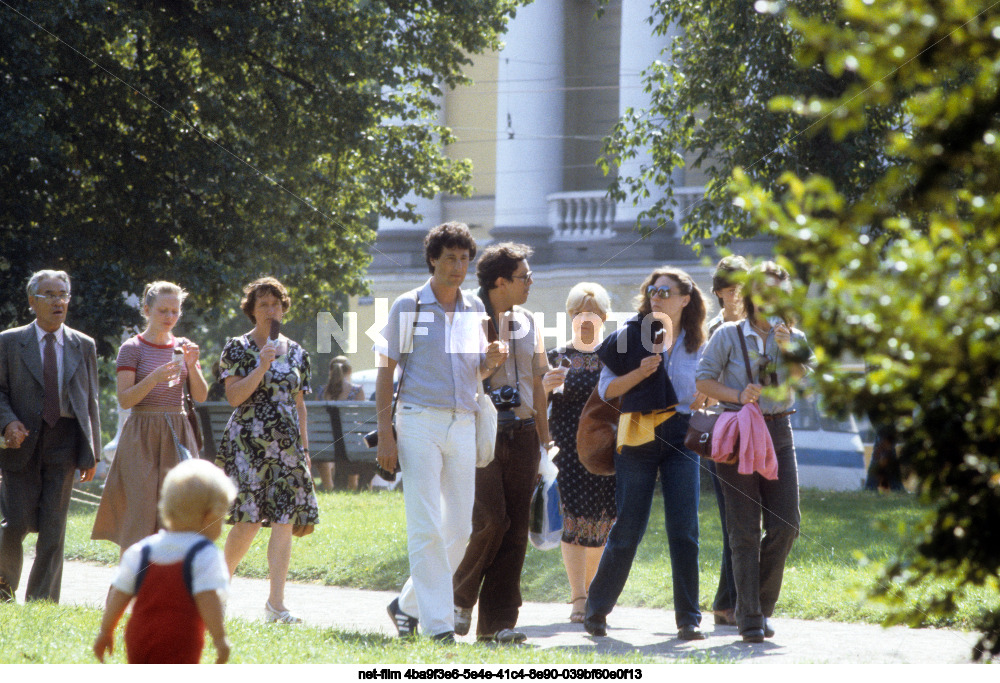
142, 358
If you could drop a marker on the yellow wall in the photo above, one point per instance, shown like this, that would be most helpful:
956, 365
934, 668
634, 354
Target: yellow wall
471, 113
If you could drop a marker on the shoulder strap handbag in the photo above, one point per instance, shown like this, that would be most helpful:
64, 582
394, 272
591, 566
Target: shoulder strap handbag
596, 432
702, 422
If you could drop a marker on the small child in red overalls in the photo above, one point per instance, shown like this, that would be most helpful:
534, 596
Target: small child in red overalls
178, 577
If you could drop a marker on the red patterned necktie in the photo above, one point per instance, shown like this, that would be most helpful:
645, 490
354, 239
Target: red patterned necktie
50, 373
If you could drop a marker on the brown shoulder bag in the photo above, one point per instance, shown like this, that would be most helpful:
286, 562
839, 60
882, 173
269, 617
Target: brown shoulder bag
597, 433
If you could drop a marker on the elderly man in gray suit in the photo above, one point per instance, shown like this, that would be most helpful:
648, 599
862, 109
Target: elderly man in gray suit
51, 428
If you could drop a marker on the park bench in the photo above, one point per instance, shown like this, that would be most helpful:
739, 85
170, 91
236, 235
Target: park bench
336, 431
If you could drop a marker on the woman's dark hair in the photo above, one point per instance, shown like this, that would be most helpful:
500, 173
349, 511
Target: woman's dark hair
757, 280
500, 260
726, 274
263, 285
339, 369
451, 235
693, 315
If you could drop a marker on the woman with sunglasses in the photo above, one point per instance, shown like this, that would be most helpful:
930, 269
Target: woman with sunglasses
775, 351
650, 363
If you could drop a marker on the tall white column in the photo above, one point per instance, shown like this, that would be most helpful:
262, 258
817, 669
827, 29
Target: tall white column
639, 49
530, 108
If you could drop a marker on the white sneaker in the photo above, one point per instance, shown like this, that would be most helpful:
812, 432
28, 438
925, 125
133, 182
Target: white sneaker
463, 620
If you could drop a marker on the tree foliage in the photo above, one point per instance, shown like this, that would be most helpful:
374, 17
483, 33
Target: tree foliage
206, 142
909, 270
710, 101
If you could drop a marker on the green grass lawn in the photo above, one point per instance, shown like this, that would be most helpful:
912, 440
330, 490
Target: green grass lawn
39, 633
846, 539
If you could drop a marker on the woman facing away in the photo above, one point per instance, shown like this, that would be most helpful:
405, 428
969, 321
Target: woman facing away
339, 388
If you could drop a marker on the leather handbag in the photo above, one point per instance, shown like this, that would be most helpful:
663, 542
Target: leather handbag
699, 435
702, 422
596, 434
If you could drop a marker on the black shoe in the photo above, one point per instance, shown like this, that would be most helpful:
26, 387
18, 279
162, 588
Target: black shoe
405, 624
768, 631
725, 617
596, 626
446, 638
505, 636
753, 635
690, 632
6, 592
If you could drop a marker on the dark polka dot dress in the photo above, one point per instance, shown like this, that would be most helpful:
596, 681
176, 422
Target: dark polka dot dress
588, 500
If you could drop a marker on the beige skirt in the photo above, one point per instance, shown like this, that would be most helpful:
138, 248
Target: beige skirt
145, 454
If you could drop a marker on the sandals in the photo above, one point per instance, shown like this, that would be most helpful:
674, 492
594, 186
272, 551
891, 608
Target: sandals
273, 616
579, 610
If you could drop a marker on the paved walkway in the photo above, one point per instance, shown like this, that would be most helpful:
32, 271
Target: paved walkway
650, 632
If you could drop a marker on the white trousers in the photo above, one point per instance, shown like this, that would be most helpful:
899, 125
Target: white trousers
437, 451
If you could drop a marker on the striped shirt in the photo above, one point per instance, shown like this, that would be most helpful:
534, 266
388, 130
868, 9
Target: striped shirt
141, 357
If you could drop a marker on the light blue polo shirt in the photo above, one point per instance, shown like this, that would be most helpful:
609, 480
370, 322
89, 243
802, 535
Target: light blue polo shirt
439, 357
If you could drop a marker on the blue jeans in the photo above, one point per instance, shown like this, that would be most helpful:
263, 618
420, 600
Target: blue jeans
635, 470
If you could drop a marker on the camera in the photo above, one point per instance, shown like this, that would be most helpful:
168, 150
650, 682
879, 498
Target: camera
371, 440
505, 399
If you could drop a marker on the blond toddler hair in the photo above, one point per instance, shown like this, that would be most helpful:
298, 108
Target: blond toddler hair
191, 490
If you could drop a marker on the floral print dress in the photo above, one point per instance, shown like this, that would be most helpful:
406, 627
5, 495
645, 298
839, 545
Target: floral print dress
261, 447
587, 500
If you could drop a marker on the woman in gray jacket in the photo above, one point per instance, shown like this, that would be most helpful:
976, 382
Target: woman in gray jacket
776, 352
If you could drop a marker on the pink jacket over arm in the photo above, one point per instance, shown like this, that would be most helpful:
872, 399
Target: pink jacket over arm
756, 448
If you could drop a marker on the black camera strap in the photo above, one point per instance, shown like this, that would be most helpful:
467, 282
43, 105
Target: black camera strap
402, 370
487, 385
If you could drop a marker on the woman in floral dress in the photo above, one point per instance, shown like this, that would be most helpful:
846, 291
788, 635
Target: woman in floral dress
588, 500
265, 447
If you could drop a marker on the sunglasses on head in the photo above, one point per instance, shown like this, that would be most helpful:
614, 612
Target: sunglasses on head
658, 292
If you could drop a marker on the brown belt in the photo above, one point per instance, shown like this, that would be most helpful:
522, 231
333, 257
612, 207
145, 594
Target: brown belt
777, 416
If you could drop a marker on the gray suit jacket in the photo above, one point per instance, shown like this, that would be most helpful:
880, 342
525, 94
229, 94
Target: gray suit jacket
22, 387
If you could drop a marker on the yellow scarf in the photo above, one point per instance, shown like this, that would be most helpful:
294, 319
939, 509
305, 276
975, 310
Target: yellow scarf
635, 429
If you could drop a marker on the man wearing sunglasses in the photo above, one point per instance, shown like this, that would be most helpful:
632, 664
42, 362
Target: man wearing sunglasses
51, 428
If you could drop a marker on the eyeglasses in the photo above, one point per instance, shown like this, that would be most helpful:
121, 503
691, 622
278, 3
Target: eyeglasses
61, 298
525, 277
658, 292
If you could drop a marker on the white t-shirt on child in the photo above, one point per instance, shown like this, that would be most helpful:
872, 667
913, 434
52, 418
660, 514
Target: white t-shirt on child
208, 569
